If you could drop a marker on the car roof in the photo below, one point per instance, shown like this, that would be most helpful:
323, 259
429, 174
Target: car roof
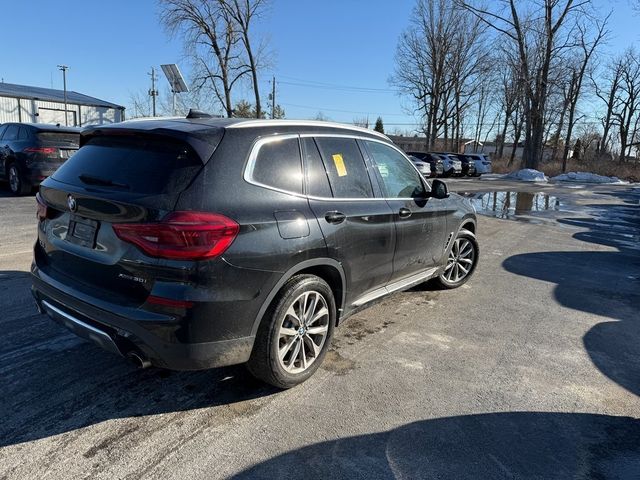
202, 123
45, 126
204, 133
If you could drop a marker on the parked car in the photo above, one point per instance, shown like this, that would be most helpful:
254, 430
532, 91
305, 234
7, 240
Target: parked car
468, 165
450, 164
423, 167
30, 152
435, 163
482, 163
230, 241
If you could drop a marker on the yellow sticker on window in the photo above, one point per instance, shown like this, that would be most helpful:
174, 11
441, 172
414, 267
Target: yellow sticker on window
339, 162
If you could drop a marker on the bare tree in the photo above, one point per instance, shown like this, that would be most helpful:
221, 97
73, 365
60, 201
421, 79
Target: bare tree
243, 13
608, 93
361, 122
628, 101
587, 48
438, 60
140, 103
538, 39
210, 34
511, 93
320, 116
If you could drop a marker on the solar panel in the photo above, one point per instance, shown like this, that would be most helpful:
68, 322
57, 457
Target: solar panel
175, 78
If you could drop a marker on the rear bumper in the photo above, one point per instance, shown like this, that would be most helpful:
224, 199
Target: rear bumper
468, 169
37, 172
122, 334
482, 168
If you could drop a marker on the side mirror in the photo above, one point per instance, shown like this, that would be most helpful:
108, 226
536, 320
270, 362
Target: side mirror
439, 189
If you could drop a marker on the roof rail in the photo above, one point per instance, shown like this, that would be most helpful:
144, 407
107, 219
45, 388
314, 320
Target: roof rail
296, 123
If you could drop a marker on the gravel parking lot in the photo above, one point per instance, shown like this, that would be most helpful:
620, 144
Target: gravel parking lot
531, 370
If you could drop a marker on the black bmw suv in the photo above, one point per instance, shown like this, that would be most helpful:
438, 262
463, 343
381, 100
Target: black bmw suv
199, 242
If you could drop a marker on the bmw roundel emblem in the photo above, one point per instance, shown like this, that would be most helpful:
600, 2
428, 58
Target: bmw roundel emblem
71, 203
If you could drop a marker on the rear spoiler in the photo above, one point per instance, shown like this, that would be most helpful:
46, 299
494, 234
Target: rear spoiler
204, 141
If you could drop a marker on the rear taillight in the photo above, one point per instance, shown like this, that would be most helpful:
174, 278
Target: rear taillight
41, 207
181, 235
51, 152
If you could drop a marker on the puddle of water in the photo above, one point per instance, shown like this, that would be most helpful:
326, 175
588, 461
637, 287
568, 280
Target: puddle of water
513, 204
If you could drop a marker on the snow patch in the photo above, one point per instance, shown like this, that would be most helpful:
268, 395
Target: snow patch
527, 175
586, 177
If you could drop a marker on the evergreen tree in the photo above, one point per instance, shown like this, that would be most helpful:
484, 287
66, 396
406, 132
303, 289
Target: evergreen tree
379, 126
243, 110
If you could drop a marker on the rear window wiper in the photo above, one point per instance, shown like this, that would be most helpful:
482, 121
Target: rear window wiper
91, 180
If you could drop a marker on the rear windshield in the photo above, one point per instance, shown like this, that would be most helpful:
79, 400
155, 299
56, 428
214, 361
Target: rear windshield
136, 164
63, 138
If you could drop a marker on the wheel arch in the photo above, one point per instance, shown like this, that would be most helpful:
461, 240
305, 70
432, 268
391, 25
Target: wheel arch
469, 224
8, 161
328, 269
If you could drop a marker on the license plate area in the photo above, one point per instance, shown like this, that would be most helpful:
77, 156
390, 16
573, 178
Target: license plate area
82, 231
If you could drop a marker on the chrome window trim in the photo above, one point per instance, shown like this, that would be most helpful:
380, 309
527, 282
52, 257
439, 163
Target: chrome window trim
253, 155
304, 123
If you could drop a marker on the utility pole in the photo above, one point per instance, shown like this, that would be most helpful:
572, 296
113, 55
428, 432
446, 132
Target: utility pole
153, 93
64, 68
273, 97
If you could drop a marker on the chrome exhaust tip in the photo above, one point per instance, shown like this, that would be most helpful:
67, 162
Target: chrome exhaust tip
138, 360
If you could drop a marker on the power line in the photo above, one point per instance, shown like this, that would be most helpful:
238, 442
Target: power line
332, 86
343, 111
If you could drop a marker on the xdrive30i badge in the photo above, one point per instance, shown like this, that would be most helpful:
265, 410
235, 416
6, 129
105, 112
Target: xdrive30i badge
132, 278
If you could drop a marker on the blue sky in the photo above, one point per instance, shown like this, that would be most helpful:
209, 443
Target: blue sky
109, 47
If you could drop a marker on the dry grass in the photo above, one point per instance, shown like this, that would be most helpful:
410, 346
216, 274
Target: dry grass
625, 171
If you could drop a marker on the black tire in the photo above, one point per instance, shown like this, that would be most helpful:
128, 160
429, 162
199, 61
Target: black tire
442, 281
265, 363
17, 185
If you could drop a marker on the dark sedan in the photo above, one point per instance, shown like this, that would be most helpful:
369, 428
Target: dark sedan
30, 152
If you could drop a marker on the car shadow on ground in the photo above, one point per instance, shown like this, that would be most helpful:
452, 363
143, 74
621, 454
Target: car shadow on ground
495, 445
54, 382
5, 192
605, 283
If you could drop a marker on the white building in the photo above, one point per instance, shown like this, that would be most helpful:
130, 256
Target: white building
22, 103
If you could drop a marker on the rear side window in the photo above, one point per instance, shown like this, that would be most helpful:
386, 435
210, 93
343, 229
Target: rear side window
345, 167
316, 175
11, 133
277, 164
24, 134
62, 138
139, 164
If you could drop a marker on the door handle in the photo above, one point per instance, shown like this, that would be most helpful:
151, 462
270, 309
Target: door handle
335, 217
404, 213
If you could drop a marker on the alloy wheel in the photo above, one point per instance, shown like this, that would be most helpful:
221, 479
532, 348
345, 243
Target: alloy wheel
14, 180
303, 332
460, 261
